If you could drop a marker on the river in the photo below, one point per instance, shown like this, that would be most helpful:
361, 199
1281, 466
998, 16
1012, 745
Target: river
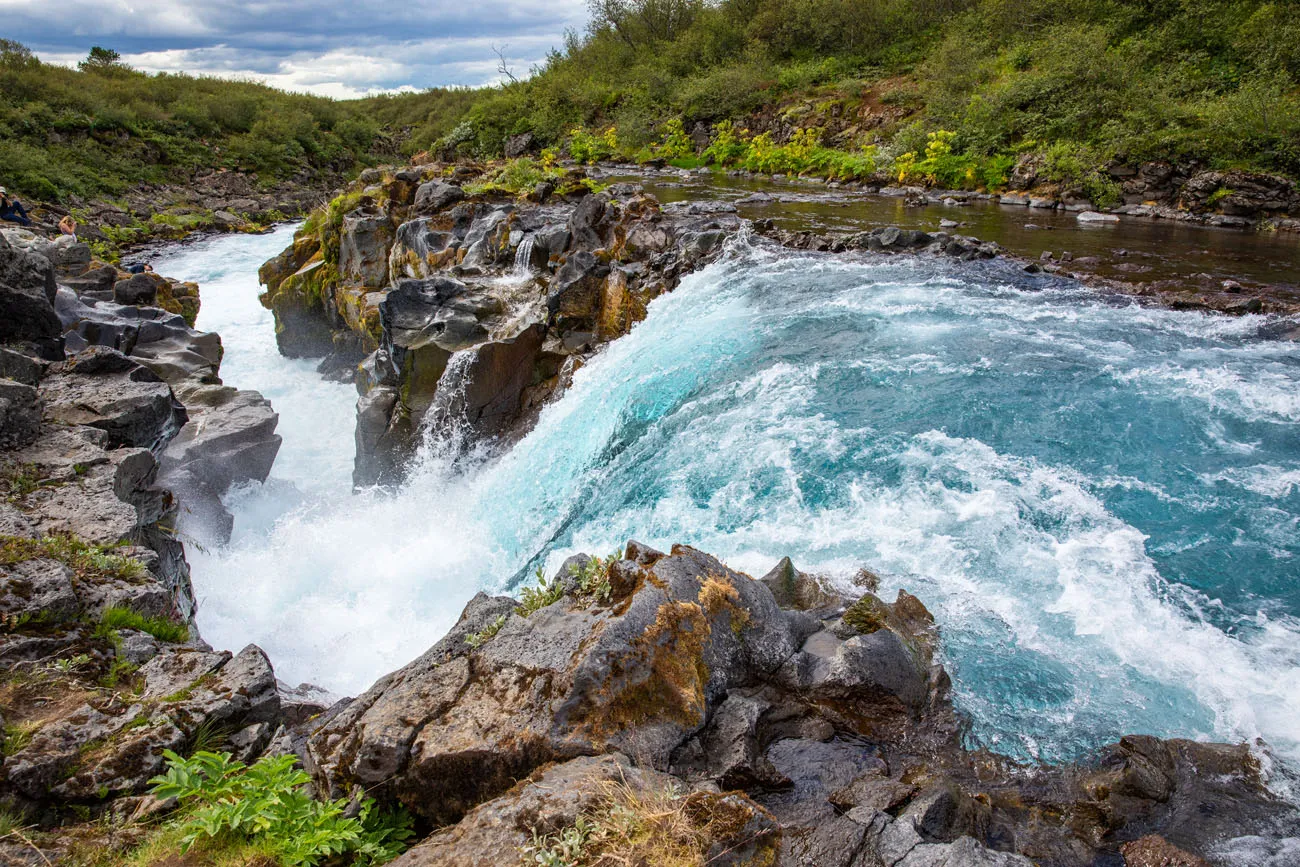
1099, 501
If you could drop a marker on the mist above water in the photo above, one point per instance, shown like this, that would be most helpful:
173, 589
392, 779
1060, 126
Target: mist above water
1099, 502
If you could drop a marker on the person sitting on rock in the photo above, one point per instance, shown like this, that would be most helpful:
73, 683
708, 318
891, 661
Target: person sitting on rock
13, 210
68, 226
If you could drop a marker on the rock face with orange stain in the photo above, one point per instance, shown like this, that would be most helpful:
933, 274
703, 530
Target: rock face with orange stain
830, 718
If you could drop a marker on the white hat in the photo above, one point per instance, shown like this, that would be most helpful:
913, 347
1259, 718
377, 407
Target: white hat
3, 191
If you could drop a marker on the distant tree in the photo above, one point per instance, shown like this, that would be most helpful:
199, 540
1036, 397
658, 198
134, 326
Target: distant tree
101, 60
643, 22
15, 55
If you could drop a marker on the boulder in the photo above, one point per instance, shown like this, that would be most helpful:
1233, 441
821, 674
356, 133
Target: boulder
24, 270
139, 290
558, 684
574, 296
20, 367
519, 145
585, 223
437, 195
20, 414
102, 388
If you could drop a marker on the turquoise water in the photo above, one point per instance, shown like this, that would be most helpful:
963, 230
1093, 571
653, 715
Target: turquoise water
1098, 501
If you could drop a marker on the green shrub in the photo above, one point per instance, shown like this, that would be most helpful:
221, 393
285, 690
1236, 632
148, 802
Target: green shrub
676, 143
587, 147
267, 804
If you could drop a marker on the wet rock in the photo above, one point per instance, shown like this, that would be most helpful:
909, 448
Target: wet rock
380, 449
488, 399
1096, 217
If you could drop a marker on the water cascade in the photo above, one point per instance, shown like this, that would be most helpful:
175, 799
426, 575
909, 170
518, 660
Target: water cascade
524, 257
1099, 501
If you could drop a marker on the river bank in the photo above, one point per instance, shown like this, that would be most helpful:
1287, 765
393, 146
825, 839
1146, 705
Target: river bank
1179, 263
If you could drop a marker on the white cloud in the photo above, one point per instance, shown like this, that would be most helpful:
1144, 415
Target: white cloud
329, 47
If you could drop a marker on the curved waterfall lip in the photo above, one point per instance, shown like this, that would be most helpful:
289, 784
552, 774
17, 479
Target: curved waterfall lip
1100, 501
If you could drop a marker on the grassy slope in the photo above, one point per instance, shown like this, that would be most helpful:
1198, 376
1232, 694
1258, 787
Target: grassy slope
1077, 83
67, 132
1080, 83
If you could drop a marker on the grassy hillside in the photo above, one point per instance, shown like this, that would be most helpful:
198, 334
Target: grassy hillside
953, 92
98, 130
964, 87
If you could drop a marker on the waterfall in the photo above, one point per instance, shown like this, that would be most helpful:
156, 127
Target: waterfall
447, 424
524, 257
1067, 482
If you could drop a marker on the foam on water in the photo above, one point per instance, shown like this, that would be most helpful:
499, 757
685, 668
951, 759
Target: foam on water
1099, 501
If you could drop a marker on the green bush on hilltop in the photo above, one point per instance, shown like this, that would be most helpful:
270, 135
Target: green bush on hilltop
1216, 81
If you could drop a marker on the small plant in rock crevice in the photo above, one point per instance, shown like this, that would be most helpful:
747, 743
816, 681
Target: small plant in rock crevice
478, 639
593, 578
161, 628
537, 597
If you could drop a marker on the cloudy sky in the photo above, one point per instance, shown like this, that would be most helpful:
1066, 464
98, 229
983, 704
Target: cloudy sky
336, 48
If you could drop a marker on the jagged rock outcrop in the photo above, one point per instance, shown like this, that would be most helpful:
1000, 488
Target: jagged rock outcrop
416, 274
104, 670
221, 436
830, 719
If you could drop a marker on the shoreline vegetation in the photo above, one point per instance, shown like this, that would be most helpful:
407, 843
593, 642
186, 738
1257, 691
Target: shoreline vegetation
956, 94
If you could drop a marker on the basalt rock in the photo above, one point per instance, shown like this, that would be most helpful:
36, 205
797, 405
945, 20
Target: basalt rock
102, 388
221, 437
555, 686
833, 728
522, 284
26, 294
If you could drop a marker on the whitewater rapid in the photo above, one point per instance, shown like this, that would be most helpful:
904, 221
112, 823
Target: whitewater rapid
1099, 501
